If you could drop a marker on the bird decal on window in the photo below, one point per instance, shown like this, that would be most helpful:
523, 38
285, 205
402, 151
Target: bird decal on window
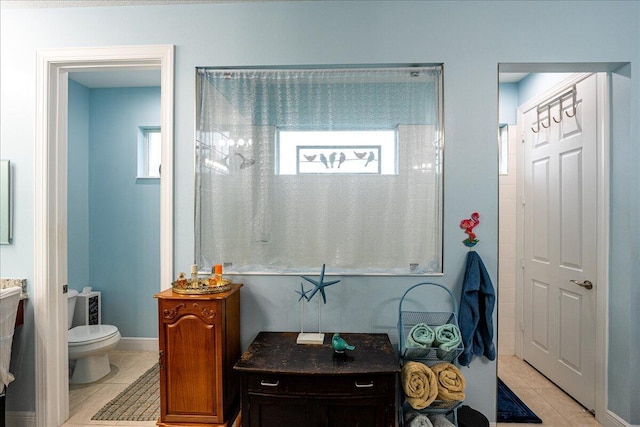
323, 159
370, 158
332, 158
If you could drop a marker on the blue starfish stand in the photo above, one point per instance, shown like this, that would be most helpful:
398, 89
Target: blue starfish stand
319, 285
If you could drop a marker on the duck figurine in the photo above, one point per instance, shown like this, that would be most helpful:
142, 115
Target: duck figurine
339, 344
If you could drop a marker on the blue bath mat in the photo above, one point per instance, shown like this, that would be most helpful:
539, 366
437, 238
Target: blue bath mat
511, 409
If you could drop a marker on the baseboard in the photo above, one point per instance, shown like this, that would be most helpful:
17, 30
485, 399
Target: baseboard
613, 420
137, 344
20, 419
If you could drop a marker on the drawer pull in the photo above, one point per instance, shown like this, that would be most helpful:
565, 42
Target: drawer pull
269, 384
364, 385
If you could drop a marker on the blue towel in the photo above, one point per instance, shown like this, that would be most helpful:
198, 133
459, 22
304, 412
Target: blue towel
476, 310
421, 335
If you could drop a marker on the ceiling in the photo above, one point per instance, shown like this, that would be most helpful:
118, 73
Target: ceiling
39, 4
117, 78
511, 77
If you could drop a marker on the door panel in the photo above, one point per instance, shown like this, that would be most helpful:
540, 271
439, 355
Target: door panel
570, 209
559, 241
540, 324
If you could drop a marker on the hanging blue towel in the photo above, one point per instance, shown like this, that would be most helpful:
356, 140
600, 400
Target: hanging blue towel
476, 310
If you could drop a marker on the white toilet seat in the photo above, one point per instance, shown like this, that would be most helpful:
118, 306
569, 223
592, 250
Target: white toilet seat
90, 334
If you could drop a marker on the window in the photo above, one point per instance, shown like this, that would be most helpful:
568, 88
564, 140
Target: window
336, 152
503, 149
296, 168
149, 152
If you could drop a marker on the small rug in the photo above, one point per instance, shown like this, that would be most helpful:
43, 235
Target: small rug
138, 402
511, 409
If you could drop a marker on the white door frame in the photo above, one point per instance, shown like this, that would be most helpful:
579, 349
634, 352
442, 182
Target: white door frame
50, 204
602, 232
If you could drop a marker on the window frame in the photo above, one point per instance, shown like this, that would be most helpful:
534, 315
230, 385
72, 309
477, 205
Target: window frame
144, 157
437, 167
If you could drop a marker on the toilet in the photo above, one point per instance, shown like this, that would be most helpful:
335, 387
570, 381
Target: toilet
89, 341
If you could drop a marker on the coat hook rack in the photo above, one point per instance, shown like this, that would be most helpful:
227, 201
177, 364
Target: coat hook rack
546, 107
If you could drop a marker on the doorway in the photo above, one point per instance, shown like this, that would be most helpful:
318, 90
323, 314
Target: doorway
521, 322
50, 235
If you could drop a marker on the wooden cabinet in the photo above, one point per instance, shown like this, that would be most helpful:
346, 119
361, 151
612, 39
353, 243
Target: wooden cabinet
284, 383
199, 340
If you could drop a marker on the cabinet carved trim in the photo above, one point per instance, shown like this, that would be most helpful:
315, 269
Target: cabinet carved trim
211, 314
170, 314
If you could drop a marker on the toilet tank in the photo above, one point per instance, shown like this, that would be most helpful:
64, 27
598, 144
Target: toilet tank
88, 308
72, 295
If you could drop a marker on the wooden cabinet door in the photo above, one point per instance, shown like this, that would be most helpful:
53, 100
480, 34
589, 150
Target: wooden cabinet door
191, 368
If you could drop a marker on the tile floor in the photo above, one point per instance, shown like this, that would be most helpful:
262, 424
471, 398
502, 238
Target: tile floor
550, 404
87, 399
554, 407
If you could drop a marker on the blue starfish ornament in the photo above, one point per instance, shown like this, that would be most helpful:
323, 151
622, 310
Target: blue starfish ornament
302, 293
319, 285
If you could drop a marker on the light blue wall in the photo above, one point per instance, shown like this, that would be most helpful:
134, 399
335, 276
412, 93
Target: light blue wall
78, 186
124, 211
508, 103
114, 218
470, 38
535, 83
623, 274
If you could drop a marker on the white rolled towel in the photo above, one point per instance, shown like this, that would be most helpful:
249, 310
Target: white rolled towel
439, 420
416, 419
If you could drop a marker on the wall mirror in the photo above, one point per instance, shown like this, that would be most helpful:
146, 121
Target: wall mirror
296, 168
5, 203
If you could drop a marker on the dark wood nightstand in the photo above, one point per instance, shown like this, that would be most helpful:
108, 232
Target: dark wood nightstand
287, 384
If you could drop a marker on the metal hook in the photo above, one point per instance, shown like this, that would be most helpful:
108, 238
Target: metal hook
560, 119
537, 122
573, 103
548, 117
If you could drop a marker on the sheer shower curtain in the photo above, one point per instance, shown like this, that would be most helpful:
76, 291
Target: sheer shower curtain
260, 210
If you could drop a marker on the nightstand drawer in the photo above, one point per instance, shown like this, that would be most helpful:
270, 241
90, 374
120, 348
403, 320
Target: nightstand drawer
291, 385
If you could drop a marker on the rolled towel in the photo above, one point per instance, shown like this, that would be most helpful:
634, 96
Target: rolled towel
451, 382
447, 339
421, 335
416, 419
440, 420
420, 384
